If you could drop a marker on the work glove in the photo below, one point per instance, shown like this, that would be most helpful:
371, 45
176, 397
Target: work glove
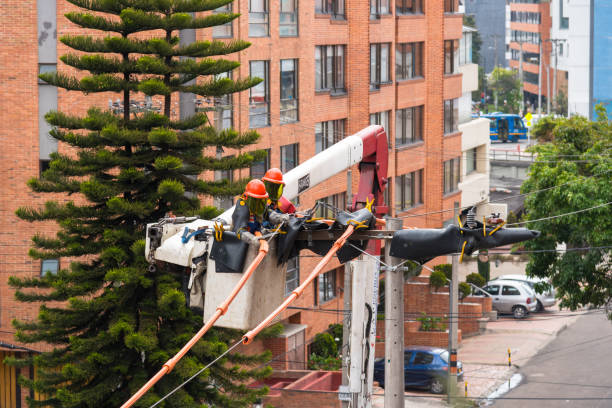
276, 217
249, 238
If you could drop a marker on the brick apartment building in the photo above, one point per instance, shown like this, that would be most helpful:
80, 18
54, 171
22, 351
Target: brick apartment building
330, 68
530, 23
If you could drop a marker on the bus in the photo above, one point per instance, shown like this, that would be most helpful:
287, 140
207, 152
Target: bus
506, 127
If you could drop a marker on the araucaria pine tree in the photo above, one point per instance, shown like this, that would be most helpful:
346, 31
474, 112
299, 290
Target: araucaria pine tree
113, 322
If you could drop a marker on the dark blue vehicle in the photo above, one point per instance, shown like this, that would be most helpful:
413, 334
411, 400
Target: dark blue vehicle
424, 367
506, 126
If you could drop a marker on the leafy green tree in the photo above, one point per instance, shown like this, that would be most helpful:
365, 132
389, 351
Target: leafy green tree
113, 322
507, 85
561, 103
578, 158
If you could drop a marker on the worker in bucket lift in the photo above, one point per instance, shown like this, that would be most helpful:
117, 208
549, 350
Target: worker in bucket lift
279, 207
250, 209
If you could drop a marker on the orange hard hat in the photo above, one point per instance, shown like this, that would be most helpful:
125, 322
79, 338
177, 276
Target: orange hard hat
256, 189
274, 175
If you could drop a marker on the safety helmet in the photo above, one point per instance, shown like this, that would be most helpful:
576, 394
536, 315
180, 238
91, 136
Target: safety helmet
256, 189
273, 180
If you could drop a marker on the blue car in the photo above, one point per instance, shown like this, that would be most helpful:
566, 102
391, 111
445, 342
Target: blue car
424, 367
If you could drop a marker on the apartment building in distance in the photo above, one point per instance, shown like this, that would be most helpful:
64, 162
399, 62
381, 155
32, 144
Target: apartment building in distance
330, 68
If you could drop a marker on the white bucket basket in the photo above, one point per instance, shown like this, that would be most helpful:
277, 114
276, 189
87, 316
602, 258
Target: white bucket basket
261, 294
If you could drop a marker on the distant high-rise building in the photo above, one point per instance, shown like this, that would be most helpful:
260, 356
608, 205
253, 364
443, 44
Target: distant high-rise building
491, 24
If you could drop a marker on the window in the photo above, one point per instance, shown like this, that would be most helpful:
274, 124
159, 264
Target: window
530, 77
333, 7
224, 202
386, 195
421, 358
528, 57
259, 101
563, 20
292, 279
289, 157
408, 60
409, 190
510, 291
326, 286
258, 18
408, 126
49, 266
451, 175
451, 56
288, 91
451, 115
223, 107
465, 48
525, 36
527, 16
493, 290
259, 168
379, 7
225, 30
470, 160
288, 18
43, 165
450, 6
408, 6
333, 201
380, 67
328, 133
329, 68
382, 119
43, 69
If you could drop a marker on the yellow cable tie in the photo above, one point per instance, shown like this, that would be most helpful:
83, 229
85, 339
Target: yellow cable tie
498, 227
369, 204
459, 221
462, 250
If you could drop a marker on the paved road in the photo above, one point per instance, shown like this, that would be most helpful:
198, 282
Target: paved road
577, 364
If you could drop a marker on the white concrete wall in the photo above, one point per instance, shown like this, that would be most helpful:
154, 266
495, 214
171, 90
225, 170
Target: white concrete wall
475, 186
558, 33
578, 61
469, 82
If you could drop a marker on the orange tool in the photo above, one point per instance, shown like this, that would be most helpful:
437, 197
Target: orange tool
221, 310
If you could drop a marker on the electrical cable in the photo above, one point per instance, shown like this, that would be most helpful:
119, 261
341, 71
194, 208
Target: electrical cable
560, 215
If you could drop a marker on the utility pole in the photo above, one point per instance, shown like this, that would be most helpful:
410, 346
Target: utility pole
540, 82
346, 327
555, 77
394, 326
521, 78
453, 322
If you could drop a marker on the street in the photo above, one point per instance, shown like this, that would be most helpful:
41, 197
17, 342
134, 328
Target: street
573, 370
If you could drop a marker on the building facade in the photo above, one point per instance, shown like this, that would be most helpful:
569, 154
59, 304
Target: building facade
491, 22
330, 68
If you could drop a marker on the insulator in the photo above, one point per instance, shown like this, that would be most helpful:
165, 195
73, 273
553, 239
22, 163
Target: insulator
470, 219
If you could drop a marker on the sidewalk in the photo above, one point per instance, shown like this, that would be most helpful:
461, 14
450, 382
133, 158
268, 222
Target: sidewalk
485, 356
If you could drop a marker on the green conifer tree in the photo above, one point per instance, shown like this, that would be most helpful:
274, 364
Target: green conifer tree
113, 322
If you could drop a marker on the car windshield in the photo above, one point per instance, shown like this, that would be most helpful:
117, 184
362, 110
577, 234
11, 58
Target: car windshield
444, 356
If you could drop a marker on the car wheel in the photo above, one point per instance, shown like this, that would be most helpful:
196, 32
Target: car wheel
519, 312
436, 386
539, 307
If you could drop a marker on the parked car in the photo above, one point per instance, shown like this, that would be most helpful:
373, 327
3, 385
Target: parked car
424, 367
544, 299
511, 296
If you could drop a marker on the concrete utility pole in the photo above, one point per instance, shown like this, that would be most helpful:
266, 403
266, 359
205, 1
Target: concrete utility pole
521, 77
346, 324
453, 322
555, 76
540, 82
394, 326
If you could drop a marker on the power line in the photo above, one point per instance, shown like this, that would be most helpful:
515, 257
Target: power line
560, 215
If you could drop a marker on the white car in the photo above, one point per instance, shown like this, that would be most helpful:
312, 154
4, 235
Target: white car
512, 297
545, 299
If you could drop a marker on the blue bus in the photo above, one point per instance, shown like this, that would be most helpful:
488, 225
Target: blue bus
506, 127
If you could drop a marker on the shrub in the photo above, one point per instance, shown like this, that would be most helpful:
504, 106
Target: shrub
437, 279
464, 290
475, 279
324, 345
335, 329
316, 362
446, 269
430, 323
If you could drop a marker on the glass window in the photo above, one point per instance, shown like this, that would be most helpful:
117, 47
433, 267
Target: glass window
224, 202
408, 6
451, 175
289, 91
223, 107
408, 60
380, 68
49, 266
510, 291
451, 115
451, 56
409, 190
327, 286
329, 203
259, 101
288, 18
289, 157
382, 119
470, 160
421, 358
408, 125
225, 30
328, 133
450, 6
379, 7
259, 168
335, 8
292, 280
493, 289
329, 68
258, 18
